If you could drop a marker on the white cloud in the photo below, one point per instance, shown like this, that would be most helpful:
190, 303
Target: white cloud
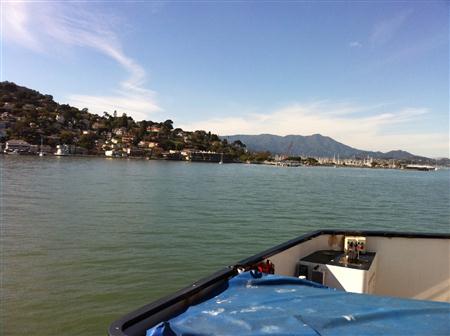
16, 25
140, 105
38, 27
368, 131
355, 44
385, 30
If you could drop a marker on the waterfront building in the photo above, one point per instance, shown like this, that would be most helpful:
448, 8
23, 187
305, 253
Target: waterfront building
113, 153
62, 150
19, 146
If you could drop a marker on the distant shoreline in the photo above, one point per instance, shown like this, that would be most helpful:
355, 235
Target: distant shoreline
265, 163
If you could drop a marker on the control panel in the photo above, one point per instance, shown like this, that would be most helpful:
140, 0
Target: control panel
355, 244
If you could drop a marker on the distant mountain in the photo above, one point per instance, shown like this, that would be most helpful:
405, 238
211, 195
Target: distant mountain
313, 145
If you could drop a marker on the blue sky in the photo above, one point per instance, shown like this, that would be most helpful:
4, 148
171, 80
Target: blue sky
374, 75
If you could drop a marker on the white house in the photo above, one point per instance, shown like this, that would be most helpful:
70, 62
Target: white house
17, 145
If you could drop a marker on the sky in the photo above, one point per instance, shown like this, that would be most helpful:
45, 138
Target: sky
373, 75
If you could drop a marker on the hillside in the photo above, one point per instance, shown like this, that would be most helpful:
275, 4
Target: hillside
313, 146
28, 115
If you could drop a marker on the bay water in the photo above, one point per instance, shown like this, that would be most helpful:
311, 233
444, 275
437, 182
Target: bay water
86, 240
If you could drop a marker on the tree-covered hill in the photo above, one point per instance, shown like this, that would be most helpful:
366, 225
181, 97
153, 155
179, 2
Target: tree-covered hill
26, 114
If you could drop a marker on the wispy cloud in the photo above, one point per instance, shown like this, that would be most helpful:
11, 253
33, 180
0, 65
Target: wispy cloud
38, 27
362, 130
385, 30
419, 48
355, 44
17, 25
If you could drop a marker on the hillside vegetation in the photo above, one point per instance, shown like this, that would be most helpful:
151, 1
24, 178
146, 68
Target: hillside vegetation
29, 115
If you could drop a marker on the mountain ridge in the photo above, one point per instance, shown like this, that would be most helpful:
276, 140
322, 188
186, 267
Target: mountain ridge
315, 145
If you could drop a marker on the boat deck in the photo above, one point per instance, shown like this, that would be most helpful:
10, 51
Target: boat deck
281, 305
399, 267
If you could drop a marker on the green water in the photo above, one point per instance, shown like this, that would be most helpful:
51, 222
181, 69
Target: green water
84, 241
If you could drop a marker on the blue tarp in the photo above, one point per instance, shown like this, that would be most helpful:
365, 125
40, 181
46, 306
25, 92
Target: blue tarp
280, 305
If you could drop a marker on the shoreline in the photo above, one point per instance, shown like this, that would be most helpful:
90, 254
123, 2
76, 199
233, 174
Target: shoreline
277, 164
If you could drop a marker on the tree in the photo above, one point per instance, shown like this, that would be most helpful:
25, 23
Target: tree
262, 156
179, 145
311, 161
87, 141
177, 130
157, 152
143, 124
168, 124
68, 115
239, 143
124, 120
66, 137
167, 144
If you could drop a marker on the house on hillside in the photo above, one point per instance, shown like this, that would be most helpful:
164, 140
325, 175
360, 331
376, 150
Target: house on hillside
119, 131
127, 139
147, 144
98, 125
8, 106
60, 118
17, 146
154, 128
28, 107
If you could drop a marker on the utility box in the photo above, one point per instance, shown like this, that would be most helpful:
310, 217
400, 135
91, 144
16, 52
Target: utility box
333, 269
